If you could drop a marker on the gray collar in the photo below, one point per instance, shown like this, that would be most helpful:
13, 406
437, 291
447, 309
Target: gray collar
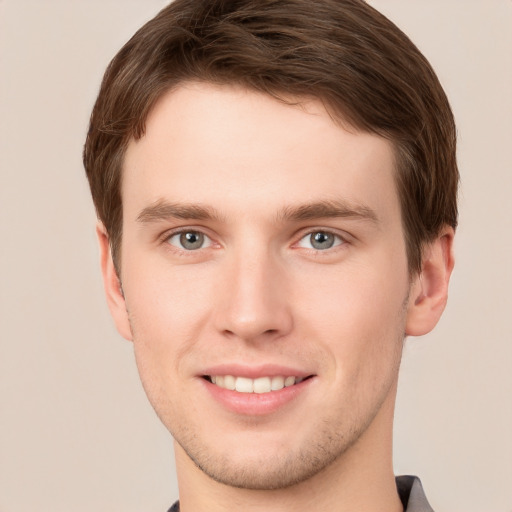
409, 489
412, 495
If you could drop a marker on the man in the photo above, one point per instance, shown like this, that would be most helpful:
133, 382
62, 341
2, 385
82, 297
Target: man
276, 184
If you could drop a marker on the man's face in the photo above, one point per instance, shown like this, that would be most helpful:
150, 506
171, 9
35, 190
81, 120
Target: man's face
261, 243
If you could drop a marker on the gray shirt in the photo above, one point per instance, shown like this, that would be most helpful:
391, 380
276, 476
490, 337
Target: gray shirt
412, 495
409, 489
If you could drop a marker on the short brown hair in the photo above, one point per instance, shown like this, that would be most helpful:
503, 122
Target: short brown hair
343, 52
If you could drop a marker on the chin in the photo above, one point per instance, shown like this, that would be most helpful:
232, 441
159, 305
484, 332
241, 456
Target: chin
267, 466
269, 473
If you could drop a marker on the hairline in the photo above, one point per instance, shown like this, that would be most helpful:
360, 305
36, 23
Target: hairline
138, 130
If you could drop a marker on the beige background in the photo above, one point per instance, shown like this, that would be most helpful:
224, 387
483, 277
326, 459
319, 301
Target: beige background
76, 433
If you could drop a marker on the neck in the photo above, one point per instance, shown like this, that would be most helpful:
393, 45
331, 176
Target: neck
361, 479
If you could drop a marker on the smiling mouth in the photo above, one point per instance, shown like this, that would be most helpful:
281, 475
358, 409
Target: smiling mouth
259, 385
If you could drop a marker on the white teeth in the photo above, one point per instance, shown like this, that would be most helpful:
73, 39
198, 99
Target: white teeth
229, 382
277, 383
262, 385
289, 381
259, 385
244, 385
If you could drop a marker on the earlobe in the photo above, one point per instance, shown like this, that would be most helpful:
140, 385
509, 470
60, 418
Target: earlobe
429, 289
112, 285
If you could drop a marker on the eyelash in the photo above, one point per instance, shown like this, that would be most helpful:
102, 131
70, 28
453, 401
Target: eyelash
166, 237
340, 240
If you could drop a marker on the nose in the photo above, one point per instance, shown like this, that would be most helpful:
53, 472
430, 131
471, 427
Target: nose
253, 303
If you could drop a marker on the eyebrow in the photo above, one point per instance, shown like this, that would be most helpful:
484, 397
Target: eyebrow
163, 210
328, 209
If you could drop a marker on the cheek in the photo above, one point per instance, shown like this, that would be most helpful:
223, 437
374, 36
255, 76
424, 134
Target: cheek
167, 315
168, 312
359, 316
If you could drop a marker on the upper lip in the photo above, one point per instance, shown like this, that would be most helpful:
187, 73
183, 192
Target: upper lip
256, 371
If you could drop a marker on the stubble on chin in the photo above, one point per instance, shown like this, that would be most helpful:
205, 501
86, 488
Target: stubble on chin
277, 470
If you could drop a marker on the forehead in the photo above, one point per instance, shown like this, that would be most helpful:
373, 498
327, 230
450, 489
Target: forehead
233, 148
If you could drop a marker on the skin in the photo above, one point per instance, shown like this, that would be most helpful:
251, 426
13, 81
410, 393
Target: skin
257, 293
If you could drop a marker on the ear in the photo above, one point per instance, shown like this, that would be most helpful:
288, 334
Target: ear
112, 285
429, 289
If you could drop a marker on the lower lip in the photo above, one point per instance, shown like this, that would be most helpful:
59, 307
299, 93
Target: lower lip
256, 404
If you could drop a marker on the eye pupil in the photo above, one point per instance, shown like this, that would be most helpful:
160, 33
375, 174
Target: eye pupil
322, 240
191, 240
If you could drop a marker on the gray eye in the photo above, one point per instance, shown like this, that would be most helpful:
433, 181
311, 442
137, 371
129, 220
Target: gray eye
320, 240
189, 240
